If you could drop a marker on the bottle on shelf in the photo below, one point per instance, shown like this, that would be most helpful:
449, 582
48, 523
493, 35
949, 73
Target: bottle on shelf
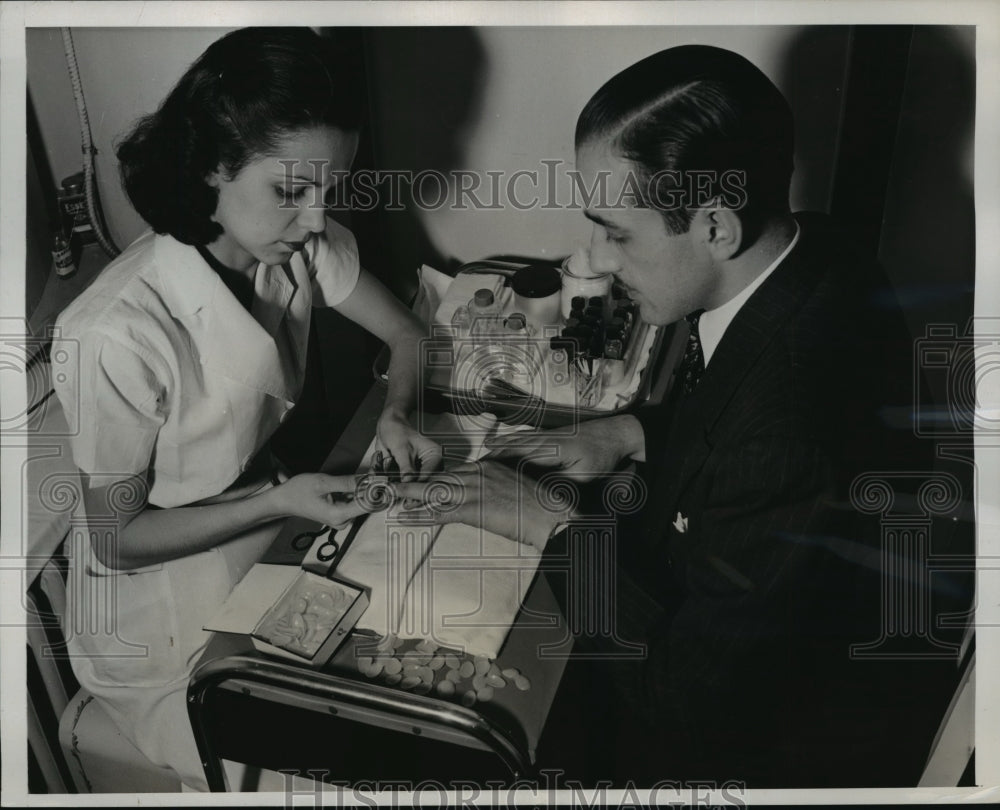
62, 256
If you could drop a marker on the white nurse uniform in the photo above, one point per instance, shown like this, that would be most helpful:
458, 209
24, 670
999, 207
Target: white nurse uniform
169, 376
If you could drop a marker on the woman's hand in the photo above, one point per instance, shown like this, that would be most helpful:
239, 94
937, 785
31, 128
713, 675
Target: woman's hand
373, 307
416, 455
327, 499
494, 497
596, 448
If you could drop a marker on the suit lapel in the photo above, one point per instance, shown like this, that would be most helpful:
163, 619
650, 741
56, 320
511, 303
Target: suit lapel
753, 328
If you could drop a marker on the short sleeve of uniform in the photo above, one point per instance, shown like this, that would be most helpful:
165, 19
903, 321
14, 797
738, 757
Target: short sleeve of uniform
333, 265
114, 397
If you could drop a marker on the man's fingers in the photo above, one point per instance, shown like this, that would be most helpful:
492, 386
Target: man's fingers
506, 453
443, 492
421, 516
415, 490
521, 439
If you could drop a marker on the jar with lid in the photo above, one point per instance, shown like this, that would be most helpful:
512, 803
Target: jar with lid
536, 291
579, 279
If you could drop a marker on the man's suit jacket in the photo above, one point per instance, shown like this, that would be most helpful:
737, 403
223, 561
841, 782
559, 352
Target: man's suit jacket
749, 573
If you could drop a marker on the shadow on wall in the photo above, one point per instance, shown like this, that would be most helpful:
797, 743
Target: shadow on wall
929, 228
925, 231
444, 102
441, 101
807, 81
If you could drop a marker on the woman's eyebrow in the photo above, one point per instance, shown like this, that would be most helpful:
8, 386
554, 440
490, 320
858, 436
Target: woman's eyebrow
299, 177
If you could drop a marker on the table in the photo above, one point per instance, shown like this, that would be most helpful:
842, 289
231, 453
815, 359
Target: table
508, 727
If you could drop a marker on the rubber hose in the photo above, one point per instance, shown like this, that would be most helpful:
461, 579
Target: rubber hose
93, 211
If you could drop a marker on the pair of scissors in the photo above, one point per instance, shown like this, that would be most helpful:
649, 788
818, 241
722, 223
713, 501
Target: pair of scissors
329, 551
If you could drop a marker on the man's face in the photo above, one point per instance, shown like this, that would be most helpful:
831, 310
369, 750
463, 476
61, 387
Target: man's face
668, 276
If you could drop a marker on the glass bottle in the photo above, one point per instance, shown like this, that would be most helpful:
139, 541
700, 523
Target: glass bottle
62, 256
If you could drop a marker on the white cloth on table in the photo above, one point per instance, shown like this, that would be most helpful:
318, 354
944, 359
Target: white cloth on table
170, 379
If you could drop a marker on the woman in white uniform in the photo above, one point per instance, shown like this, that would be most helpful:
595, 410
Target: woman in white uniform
189, 350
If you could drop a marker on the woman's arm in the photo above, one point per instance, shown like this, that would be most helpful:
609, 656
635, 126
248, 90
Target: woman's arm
146, 536
374, 308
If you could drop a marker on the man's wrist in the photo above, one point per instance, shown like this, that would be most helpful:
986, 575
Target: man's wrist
632, 437
553, 524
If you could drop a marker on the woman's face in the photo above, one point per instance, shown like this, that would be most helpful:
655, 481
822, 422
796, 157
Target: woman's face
271, 207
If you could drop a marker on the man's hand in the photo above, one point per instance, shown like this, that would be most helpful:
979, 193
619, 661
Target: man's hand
597, 447
491, 496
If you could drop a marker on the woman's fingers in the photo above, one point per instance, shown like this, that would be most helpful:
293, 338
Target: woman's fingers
344, 511
404, 461
416, 457
430, 457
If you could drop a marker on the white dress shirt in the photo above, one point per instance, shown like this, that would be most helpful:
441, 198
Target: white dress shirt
714, 322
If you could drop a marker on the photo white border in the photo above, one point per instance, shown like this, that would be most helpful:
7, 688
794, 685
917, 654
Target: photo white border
984, 14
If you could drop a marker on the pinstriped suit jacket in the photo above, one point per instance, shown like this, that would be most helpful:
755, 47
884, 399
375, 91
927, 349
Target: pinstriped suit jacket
758, 598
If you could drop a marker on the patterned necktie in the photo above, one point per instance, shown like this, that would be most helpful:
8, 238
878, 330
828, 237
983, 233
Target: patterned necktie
693, 363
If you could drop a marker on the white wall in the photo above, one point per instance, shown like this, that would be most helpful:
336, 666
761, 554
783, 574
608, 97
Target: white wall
487, 98
126, 73
523, 89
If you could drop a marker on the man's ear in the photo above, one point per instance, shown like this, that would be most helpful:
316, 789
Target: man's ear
213, 179
723, 231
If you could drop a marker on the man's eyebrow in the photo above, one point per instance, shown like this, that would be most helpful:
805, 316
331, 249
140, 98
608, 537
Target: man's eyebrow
601, 221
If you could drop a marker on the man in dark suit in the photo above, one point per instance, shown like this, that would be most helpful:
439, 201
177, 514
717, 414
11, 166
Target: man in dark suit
749, 573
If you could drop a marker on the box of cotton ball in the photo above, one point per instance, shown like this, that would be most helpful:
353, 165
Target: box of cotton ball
292, 613
311, 619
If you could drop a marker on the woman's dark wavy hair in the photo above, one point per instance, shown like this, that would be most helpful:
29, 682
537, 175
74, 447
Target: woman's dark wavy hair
242, 96
696, 108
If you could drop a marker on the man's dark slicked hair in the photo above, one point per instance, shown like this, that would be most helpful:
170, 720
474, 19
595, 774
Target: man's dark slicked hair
690, 109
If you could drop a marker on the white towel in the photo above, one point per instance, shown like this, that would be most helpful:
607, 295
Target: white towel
462, 288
